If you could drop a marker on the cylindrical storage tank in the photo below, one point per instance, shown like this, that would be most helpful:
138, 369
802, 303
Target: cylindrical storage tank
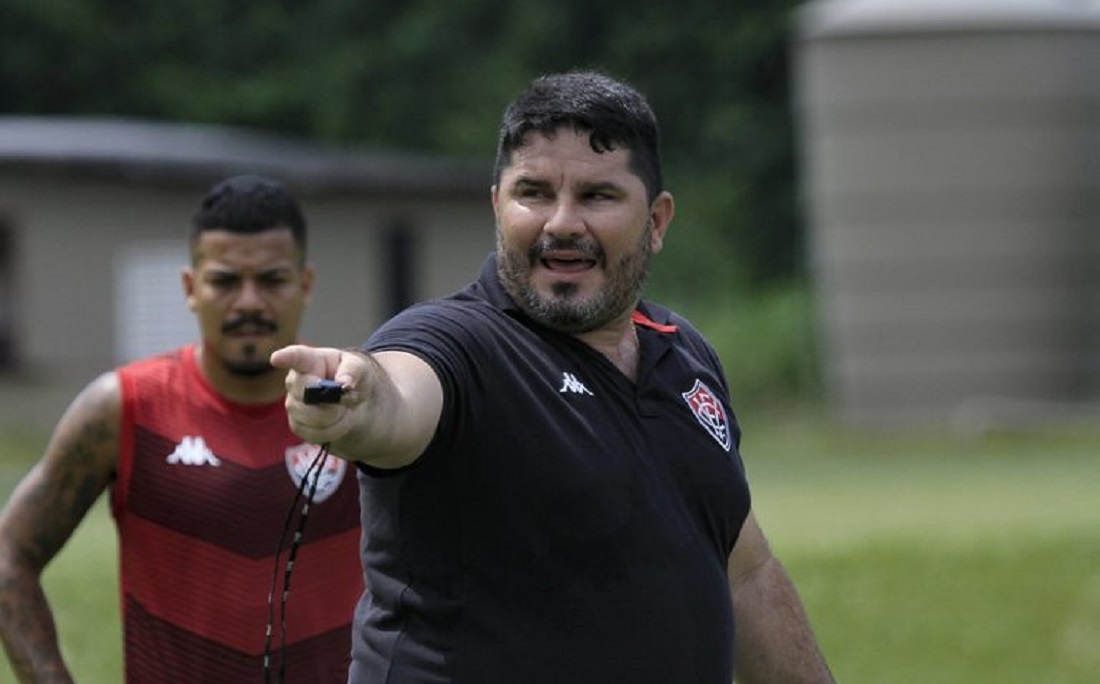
950, 176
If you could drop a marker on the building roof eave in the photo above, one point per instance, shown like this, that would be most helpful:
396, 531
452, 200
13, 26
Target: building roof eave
158, 152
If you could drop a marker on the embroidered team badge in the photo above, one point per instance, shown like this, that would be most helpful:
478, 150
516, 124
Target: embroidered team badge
709, 412
298, 459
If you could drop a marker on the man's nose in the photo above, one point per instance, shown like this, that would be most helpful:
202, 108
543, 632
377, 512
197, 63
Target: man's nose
250, 296
566, 220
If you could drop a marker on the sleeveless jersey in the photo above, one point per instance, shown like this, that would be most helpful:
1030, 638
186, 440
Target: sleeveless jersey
203, 490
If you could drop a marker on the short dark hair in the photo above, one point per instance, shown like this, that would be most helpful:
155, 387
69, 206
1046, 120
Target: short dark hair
612, 112
249, 204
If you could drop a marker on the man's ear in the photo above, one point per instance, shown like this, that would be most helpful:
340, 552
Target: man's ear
660, 216
187, 276
307, 281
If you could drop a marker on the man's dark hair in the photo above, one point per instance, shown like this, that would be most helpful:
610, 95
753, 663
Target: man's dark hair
249, 204
613, 113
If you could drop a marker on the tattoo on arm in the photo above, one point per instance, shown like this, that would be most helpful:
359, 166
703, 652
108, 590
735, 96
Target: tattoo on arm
40, 516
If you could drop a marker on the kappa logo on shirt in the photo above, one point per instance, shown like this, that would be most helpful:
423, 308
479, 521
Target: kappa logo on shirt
709, 412
570, 383
193, 451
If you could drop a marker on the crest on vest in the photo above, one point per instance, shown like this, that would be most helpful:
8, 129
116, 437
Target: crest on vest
298, 460
709, 412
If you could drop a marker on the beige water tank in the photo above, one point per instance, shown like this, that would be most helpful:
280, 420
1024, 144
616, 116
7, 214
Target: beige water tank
950, 155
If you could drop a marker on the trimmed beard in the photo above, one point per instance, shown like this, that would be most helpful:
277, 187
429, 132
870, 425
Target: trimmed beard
248, 367
563, 311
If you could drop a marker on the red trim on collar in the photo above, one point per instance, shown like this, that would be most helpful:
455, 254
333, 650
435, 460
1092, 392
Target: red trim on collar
643, 320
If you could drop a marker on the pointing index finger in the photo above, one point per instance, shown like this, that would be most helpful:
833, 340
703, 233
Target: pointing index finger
305, 360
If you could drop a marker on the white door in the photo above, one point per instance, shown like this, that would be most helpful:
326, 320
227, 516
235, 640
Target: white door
151, 314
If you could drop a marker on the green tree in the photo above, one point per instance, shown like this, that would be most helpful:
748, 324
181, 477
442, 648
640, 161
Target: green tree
432, 75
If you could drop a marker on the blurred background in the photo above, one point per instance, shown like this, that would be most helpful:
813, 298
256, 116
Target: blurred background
887, 223
383, 117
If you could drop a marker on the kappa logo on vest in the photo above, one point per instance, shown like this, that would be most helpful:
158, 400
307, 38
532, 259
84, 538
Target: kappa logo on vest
193, 451
709, 412
298, 460
570, 383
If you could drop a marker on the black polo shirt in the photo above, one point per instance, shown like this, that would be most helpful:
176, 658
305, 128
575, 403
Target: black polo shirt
565, 524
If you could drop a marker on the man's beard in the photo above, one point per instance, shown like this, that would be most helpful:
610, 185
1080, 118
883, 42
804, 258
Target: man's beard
563, 311
250, 367
251, 364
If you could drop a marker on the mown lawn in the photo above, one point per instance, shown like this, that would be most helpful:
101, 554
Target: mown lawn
939, 558
921, 557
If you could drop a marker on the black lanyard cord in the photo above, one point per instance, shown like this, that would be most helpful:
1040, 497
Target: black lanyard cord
309, 480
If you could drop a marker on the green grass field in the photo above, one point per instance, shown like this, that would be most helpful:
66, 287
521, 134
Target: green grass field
937, 558
921, 557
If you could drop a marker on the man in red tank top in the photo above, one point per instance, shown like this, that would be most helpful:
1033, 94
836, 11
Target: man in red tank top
203, 473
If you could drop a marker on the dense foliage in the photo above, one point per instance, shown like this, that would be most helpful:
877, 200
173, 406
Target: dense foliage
433, 75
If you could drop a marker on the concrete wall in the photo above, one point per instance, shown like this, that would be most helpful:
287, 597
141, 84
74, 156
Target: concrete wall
951, 168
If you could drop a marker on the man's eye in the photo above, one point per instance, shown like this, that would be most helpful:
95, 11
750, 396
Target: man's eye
223, 282
600, 195
530, 192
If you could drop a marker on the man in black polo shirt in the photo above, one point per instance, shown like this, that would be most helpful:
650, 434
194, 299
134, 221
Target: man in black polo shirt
551, 487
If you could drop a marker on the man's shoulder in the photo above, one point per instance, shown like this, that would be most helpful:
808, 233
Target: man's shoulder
461, 325
174, 357
164, 368
460, 309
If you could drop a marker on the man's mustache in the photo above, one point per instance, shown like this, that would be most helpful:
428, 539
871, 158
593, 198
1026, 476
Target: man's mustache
588, 247
250, 320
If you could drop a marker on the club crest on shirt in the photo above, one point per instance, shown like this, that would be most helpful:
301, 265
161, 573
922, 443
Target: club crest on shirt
709, 412
298, 460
